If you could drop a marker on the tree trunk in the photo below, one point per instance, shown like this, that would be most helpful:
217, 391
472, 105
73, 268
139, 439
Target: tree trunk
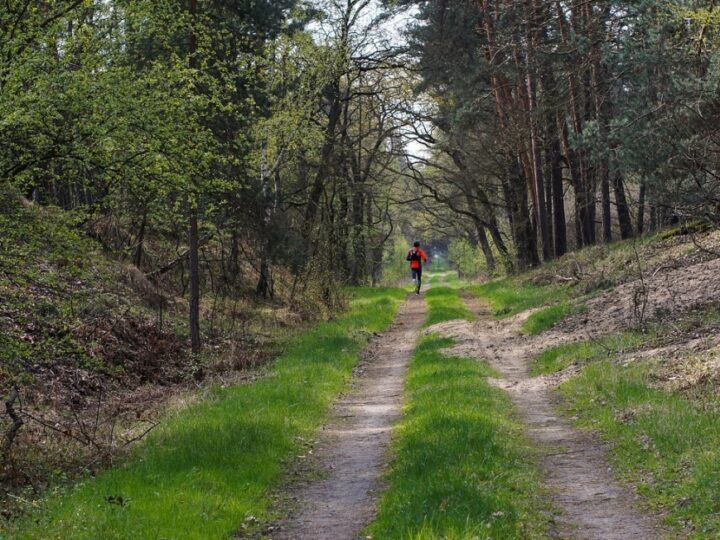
626, 228
358, 234
523, 232
139, 248
193, 235
486, 249
559, 220
194, 269
641, 208
605, 200
541, 215
325, 158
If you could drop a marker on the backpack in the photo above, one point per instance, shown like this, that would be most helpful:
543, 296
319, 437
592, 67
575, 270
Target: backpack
413, 256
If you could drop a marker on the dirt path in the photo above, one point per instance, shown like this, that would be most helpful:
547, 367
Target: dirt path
351, 452
590, 503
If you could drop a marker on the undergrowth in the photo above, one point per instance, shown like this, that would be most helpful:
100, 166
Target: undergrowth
462, 468
211, 466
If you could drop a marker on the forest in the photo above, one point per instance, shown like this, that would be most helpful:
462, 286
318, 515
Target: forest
193, 191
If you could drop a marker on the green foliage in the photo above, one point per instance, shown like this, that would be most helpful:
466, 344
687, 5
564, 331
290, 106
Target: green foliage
510, 296
396, 269
665, 443
469, 260
45, 265
209, 467
462, 468
547, 318
445, 304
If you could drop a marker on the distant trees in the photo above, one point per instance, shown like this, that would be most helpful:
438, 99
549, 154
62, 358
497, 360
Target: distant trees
599, 111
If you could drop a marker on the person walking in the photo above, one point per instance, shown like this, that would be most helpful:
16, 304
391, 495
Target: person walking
416, 256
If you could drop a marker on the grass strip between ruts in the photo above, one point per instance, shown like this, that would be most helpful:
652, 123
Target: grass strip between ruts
507, 297
445, 304
462, 467
211, 466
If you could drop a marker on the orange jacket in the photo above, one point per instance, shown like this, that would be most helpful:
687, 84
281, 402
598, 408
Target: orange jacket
418, 264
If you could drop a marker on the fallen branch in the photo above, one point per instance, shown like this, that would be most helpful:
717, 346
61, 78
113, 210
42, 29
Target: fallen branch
172, 264
11, 434
141, 435
703, 248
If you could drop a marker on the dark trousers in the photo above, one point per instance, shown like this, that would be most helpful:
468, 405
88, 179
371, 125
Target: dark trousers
417, 275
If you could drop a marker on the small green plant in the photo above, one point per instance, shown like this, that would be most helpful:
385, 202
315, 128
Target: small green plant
462, 468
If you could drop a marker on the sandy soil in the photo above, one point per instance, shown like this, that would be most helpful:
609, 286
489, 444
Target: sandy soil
589, 502
352, 450
664, 290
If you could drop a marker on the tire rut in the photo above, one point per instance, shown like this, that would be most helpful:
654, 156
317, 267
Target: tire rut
589, 503
352, 450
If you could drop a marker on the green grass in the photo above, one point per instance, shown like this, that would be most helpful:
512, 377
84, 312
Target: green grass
453, 280
508, 297
462, 468
666, 443
547, 318
702, 320
445, 304
211, 465
447, 278
562, 356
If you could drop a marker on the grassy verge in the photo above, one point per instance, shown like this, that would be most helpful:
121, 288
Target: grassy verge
546, 318
445, 304
667, 443
694, 322
508, 297
208, 467
562, 356
462, 467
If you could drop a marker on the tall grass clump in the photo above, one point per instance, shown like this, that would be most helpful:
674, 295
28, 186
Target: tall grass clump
508, 297
548, 317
